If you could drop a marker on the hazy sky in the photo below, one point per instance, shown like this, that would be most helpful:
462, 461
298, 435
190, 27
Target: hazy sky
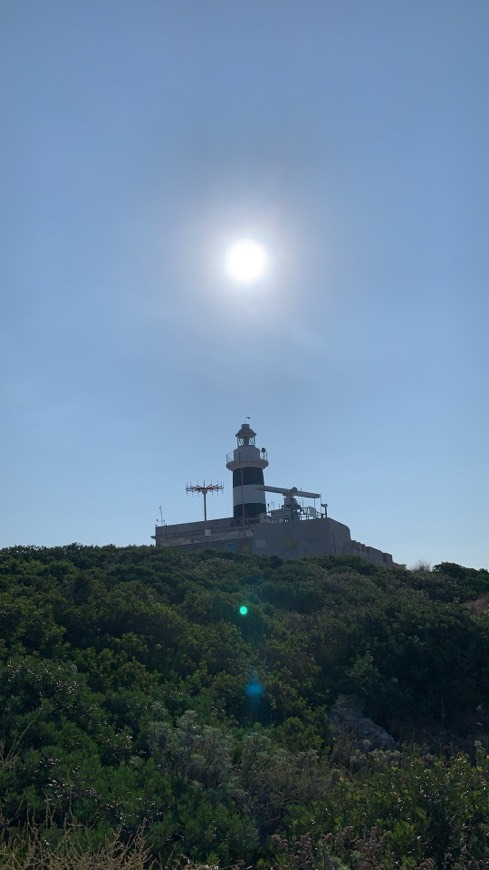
138, 140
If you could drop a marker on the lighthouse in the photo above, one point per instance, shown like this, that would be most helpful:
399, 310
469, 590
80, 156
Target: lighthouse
290, 532
247, 463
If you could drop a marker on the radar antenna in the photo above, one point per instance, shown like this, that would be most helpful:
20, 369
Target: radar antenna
290, 498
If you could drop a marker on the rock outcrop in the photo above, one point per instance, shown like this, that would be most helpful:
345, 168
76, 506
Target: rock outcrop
347, 718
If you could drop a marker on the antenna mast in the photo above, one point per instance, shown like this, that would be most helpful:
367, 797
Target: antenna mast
203, 489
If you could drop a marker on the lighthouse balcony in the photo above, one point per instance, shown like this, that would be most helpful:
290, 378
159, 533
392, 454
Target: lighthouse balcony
251, 457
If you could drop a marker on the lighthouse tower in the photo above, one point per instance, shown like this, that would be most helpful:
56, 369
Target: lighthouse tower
247, 463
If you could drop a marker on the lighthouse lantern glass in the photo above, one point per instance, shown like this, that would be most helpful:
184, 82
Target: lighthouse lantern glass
246, 436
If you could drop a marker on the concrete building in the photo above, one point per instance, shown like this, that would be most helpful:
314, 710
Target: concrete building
291, 531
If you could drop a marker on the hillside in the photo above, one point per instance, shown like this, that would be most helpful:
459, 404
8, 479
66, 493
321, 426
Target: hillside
136, 700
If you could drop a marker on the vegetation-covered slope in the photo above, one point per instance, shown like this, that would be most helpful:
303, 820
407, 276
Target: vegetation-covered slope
134, 696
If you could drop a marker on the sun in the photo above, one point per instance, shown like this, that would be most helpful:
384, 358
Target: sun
246, 261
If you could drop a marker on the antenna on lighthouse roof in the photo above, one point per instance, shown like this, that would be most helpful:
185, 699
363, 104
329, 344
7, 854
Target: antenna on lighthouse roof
203, 489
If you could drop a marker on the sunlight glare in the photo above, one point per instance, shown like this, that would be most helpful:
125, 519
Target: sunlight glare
246, 261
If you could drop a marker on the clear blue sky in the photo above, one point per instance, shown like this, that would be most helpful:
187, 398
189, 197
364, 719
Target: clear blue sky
138, 140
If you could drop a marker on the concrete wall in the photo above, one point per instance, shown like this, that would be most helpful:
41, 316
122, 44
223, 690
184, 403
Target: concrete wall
178, 534
236, 545
311, 538
301, 538
371, 554
286, 540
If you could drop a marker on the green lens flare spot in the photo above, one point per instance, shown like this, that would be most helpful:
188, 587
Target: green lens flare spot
243, 610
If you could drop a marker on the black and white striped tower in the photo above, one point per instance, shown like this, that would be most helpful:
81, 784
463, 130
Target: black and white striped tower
247, 463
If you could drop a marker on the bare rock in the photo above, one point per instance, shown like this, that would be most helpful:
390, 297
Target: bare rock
347, 718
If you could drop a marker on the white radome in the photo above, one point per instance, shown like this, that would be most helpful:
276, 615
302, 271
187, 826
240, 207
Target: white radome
246, 261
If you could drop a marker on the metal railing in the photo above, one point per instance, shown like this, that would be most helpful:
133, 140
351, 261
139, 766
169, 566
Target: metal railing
244, 456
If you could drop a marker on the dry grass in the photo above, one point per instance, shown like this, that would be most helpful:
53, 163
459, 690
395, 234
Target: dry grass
480, 605
34, 849
47, 848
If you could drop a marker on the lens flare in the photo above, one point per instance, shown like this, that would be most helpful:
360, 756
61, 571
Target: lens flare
254, 689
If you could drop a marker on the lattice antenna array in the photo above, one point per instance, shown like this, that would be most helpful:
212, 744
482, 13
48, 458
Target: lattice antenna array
204, 489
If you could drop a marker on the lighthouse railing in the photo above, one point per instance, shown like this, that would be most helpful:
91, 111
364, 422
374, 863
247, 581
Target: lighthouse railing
244, 456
